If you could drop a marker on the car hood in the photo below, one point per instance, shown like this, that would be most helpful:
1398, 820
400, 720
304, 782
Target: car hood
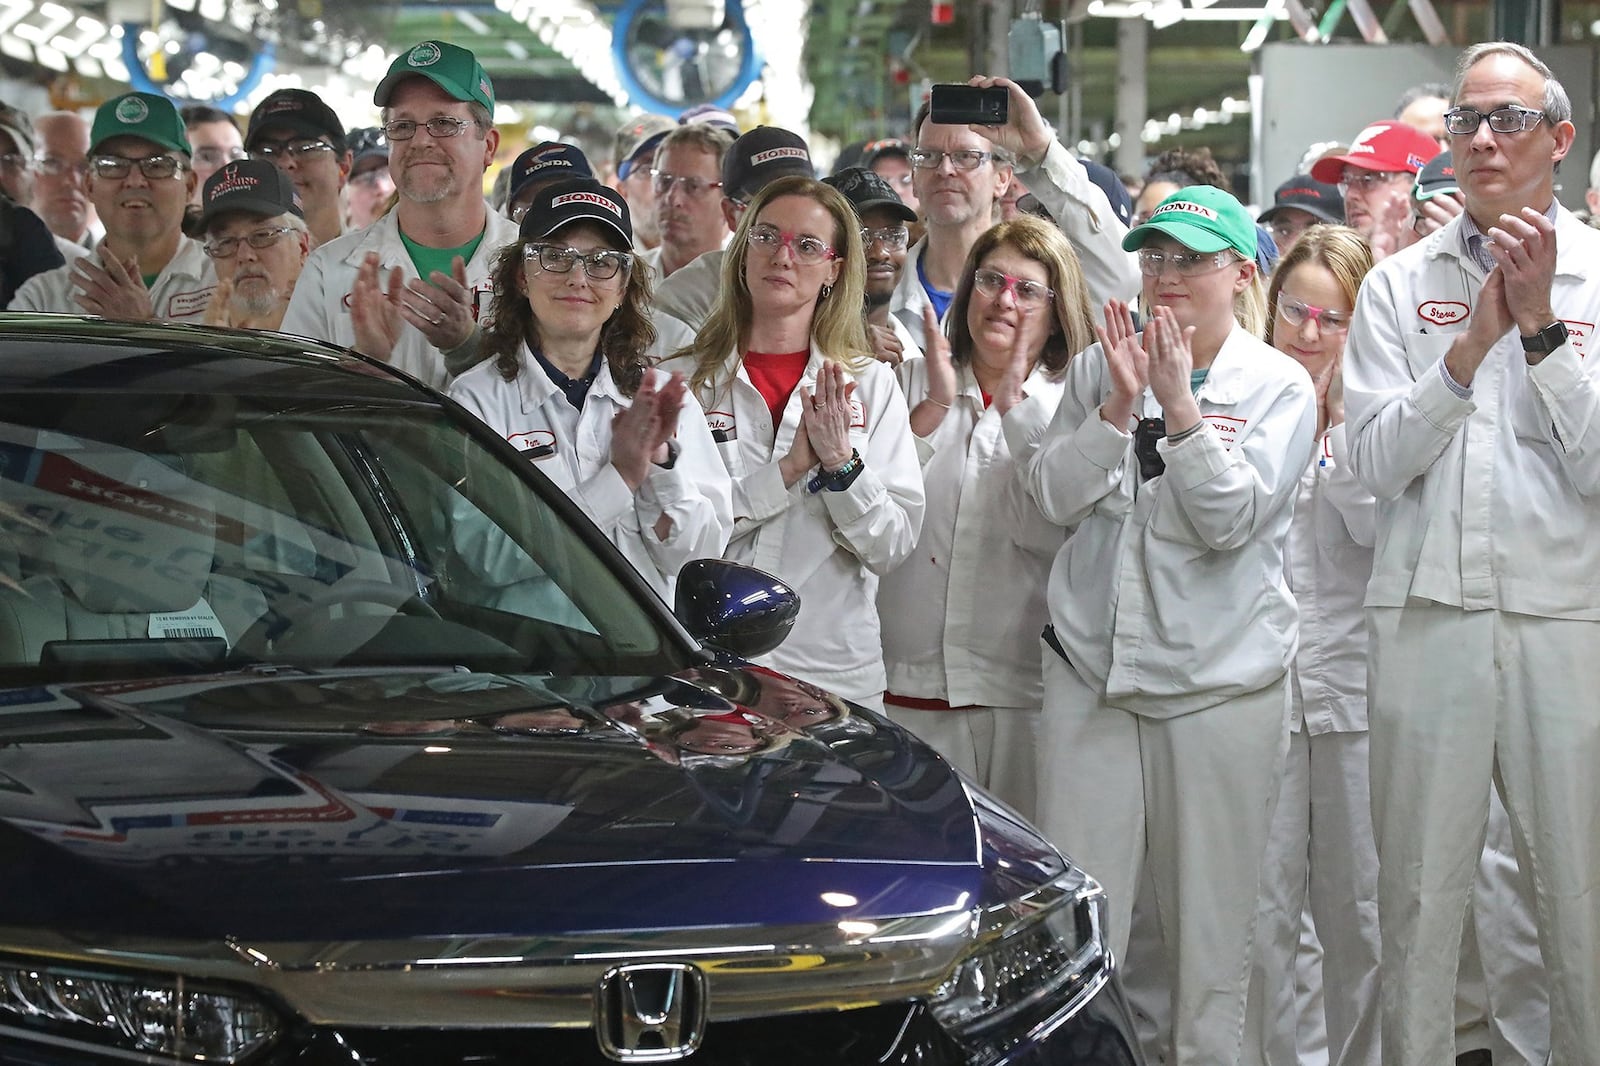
289, 805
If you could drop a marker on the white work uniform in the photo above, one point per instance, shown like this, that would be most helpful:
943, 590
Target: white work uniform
1484, 594
962, 615
1172, 607
181, 293
1322, 831
320, 305
1081, 211
830, 547
690, 292
573, 448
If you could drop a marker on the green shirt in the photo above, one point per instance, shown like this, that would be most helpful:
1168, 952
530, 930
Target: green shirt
427, 260
1197, 378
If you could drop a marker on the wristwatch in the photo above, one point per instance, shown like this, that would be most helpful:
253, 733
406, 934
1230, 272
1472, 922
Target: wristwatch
674, 449
1548, 339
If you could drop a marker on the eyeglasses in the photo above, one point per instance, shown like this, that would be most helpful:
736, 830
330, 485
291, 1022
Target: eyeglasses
55, 165
154, 167
1153, 262
1284, 231
1511, 118
296, 150
439, 127
663, 182
1367, 180
228, 247
216, 158
13, 161
966, 159
991, 283
806, 249
893, 237
598, 266
369, 177
1296, 311
897, 179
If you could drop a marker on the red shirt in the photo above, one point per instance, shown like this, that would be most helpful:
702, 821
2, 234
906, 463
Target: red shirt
775, 376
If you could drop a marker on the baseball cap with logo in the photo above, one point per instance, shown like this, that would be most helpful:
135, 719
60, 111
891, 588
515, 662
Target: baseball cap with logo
1305, 193
760, 157
576, 200
449, 66
888, 146
1388, 146
638, 136
1437, 178
253, 186
145, 115
548, 161
19, 126
299, 111
866, 191
711, 115
366, 143
1201, 217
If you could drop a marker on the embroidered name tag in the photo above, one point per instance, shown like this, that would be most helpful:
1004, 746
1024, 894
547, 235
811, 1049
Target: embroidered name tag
537, 443
1227, 429
189, 304
724, 427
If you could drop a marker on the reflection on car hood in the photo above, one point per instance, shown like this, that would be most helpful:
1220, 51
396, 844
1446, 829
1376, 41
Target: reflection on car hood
290, 805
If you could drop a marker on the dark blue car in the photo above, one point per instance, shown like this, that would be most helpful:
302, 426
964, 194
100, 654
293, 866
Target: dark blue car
331, 733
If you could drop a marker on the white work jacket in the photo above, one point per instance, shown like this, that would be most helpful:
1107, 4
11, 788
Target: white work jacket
181, 293
962, 615
1490, 502
1170, 595
690, 292
573, 449
830, 547
1328, 559
320, 305
1081, 211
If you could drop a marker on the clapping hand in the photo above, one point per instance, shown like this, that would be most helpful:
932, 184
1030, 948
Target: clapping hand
1127, 363
111, 288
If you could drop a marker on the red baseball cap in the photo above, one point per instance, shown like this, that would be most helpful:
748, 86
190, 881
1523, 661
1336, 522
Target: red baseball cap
1387, 146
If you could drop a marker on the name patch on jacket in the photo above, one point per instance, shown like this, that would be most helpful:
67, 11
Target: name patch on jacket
1442, 312
482, 297
187, 304
536, 443
1227, 428
858, 414
1578, 335
724, 427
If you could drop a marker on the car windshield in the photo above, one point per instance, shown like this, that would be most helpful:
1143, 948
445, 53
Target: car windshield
147, 533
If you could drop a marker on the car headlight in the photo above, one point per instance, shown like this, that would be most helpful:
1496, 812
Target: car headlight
143, 1014
1034, 963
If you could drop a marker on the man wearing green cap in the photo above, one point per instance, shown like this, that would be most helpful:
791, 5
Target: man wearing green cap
140, 179
409, 287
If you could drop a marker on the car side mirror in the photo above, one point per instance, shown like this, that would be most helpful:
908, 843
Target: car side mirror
734, 607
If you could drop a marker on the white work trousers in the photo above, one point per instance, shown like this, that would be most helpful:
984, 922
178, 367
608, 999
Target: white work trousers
995, 746
1322, 845
1458, 698
1193, 797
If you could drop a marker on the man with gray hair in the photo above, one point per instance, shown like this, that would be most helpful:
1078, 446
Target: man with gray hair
256, 236
1471, 412
408, 288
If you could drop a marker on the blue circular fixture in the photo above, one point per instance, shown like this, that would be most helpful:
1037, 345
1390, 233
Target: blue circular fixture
690, 66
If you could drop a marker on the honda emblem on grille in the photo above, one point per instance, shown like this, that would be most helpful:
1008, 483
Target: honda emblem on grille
651, 1012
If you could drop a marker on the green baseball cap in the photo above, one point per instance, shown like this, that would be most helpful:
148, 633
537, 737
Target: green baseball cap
449, 66
145, 115
1203, 218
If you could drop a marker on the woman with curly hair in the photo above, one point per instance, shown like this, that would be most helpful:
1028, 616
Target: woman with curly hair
827, 493
566, 379
962, 616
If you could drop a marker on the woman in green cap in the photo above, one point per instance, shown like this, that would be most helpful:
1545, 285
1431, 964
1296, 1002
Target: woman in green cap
1176, 453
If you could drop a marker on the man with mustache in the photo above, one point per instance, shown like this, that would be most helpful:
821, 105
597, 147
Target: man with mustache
1376, 176
408, 288
300, 135
257, 239
687, 179
139, 182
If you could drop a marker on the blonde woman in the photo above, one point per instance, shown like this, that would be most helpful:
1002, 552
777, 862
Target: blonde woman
962, 615
827, 493
1176, 453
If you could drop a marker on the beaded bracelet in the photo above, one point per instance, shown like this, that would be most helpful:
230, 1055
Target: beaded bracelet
840, 479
